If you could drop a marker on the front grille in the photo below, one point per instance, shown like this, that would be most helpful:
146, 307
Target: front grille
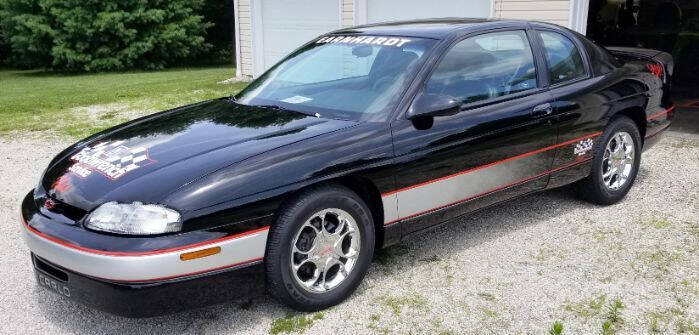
51, 270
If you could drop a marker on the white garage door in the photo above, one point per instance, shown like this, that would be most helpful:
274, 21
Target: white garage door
392, 10
287, 24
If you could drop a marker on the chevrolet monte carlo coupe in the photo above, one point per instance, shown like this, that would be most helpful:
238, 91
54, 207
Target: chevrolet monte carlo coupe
353, 142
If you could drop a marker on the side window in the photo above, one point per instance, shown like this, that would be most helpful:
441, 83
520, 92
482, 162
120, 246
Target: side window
484, 67
563, 58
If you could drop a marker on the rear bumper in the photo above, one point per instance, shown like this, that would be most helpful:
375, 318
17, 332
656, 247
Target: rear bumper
151, 299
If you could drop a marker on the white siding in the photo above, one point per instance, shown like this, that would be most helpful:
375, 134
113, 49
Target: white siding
396, 10
347, 13
243, 18
552, 11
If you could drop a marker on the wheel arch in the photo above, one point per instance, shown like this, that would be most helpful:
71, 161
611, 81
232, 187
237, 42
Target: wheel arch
637, 115
366, 190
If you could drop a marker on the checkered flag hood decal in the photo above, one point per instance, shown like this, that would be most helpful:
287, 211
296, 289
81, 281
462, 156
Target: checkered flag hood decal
112, 159
121, 156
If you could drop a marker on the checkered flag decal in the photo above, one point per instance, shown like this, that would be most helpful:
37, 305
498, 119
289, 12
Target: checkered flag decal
119, 155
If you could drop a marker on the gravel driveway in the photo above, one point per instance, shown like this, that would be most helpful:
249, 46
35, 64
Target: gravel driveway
514, 268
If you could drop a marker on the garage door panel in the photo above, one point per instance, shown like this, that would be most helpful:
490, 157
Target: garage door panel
287, 24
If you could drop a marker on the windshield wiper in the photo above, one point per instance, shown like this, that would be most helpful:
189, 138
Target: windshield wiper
277, 107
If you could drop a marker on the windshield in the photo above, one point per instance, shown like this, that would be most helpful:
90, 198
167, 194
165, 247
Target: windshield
348, 77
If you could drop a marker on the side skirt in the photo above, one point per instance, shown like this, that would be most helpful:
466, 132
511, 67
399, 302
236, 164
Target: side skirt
396, 232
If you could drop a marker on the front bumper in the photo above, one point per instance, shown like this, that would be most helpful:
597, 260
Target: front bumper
149, 266
139, 283
151, 299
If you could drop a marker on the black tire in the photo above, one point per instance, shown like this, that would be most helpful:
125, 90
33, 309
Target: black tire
593, 188
292, 215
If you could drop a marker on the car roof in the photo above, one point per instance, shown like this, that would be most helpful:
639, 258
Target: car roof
434, 28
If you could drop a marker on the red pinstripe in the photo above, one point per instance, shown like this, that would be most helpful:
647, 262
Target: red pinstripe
139, 253
659, 114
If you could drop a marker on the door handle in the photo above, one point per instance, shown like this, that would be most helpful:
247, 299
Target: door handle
542, 110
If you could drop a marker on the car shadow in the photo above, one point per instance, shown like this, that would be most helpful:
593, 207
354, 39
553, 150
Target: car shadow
238, 314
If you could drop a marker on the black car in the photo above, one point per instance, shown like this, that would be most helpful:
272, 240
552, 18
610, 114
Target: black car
353, 142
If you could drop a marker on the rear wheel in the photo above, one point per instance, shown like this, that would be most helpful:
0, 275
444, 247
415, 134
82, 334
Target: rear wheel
319, 249
615, 164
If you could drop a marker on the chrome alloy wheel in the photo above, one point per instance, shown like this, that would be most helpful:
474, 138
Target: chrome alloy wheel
325, 250
618, 160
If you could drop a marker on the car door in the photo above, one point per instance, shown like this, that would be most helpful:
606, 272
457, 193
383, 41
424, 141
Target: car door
496, 147
580, 101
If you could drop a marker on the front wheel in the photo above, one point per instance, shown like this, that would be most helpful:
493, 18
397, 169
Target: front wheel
319, 249
617, 158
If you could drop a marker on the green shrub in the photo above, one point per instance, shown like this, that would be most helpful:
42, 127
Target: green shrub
97, 35
221, 34
4, 48
4, 44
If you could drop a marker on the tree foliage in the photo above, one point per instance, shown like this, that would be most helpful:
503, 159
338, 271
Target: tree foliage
99, 35
221, 34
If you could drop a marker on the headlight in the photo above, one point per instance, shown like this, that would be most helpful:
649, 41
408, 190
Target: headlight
134, 219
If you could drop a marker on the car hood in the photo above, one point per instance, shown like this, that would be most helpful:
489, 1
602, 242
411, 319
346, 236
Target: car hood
147, 159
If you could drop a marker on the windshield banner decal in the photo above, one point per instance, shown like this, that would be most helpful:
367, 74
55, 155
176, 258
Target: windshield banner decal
374, 40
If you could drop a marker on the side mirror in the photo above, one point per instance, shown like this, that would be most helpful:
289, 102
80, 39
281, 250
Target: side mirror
433, 105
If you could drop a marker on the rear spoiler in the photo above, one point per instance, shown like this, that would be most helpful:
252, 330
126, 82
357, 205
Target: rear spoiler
661, 57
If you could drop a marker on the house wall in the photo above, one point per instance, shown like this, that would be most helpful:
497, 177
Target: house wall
347, 14
244, 24
552, 11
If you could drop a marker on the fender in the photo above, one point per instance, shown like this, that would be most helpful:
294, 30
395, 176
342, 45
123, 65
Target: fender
364, 150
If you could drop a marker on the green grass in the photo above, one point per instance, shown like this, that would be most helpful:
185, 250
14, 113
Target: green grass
685, 144
657, 223
294, 323
660, 263
489, 313
556, 328
79, 105
658, 321
586, 308
545, 254
396, 303
613, 319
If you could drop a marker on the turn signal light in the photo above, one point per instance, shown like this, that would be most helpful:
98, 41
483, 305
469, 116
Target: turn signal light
188, 256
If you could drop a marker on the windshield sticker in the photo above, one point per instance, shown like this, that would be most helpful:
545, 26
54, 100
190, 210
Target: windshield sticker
297, 99
373, 40
111, 159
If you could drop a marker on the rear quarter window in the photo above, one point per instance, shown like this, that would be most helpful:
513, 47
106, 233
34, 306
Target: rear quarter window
601, 60
564, 60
